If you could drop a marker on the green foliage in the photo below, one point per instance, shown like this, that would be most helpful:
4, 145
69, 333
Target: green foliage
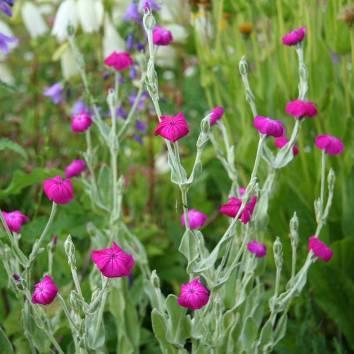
36, 143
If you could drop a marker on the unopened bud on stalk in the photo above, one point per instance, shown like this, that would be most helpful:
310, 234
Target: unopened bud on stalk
54, 240
111, 98
16, 277
294, 226
149, 20
243, 66
204, 132
155, 281
70, 251
278, 253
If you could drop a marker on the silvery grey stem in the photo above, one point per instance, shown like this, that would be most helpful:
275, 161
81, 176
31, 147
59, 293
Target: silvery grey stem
303, 77
39, 242
323, 180
243, 67
70, 253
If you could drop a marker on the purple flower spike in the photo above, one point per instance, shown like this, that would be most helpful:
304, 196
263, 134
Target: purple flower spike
5, 7
121, 112
5, 42
80, 107
55, 93
141, 126
132, 13
130, 41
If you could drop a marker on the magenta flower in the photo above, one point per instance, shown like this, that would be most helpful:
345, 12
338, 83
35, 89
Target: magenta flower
196, 219
320, 249
58, 190
257, 248
282, 141
55, 92
330, 144
172, 128
241, 191
119, 61
216, 114
113, 262
294, 37
81, 122
194, 295
15, 220
233, 205
45, 291
75, 168
268, 126
5, 42
162, 36
301, 109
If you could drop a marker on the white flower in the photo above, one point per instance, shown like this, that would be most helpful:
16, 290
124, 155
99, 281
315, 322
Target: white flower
179, 33
90, 14
6, 30
69, 66
202, 24
5, 75
66, 16
119, 9
46, 9
173, 10
33, 20
161, 164
112, 41
166, 56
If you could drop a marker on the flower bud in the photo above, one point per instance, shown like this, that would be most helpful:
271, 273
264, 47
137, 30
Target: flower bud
154, 279
70, 251
278, 253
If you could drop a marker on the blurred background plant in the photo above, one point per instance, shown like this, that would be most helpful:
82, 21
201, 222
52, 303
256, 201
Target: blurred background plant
198, 72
